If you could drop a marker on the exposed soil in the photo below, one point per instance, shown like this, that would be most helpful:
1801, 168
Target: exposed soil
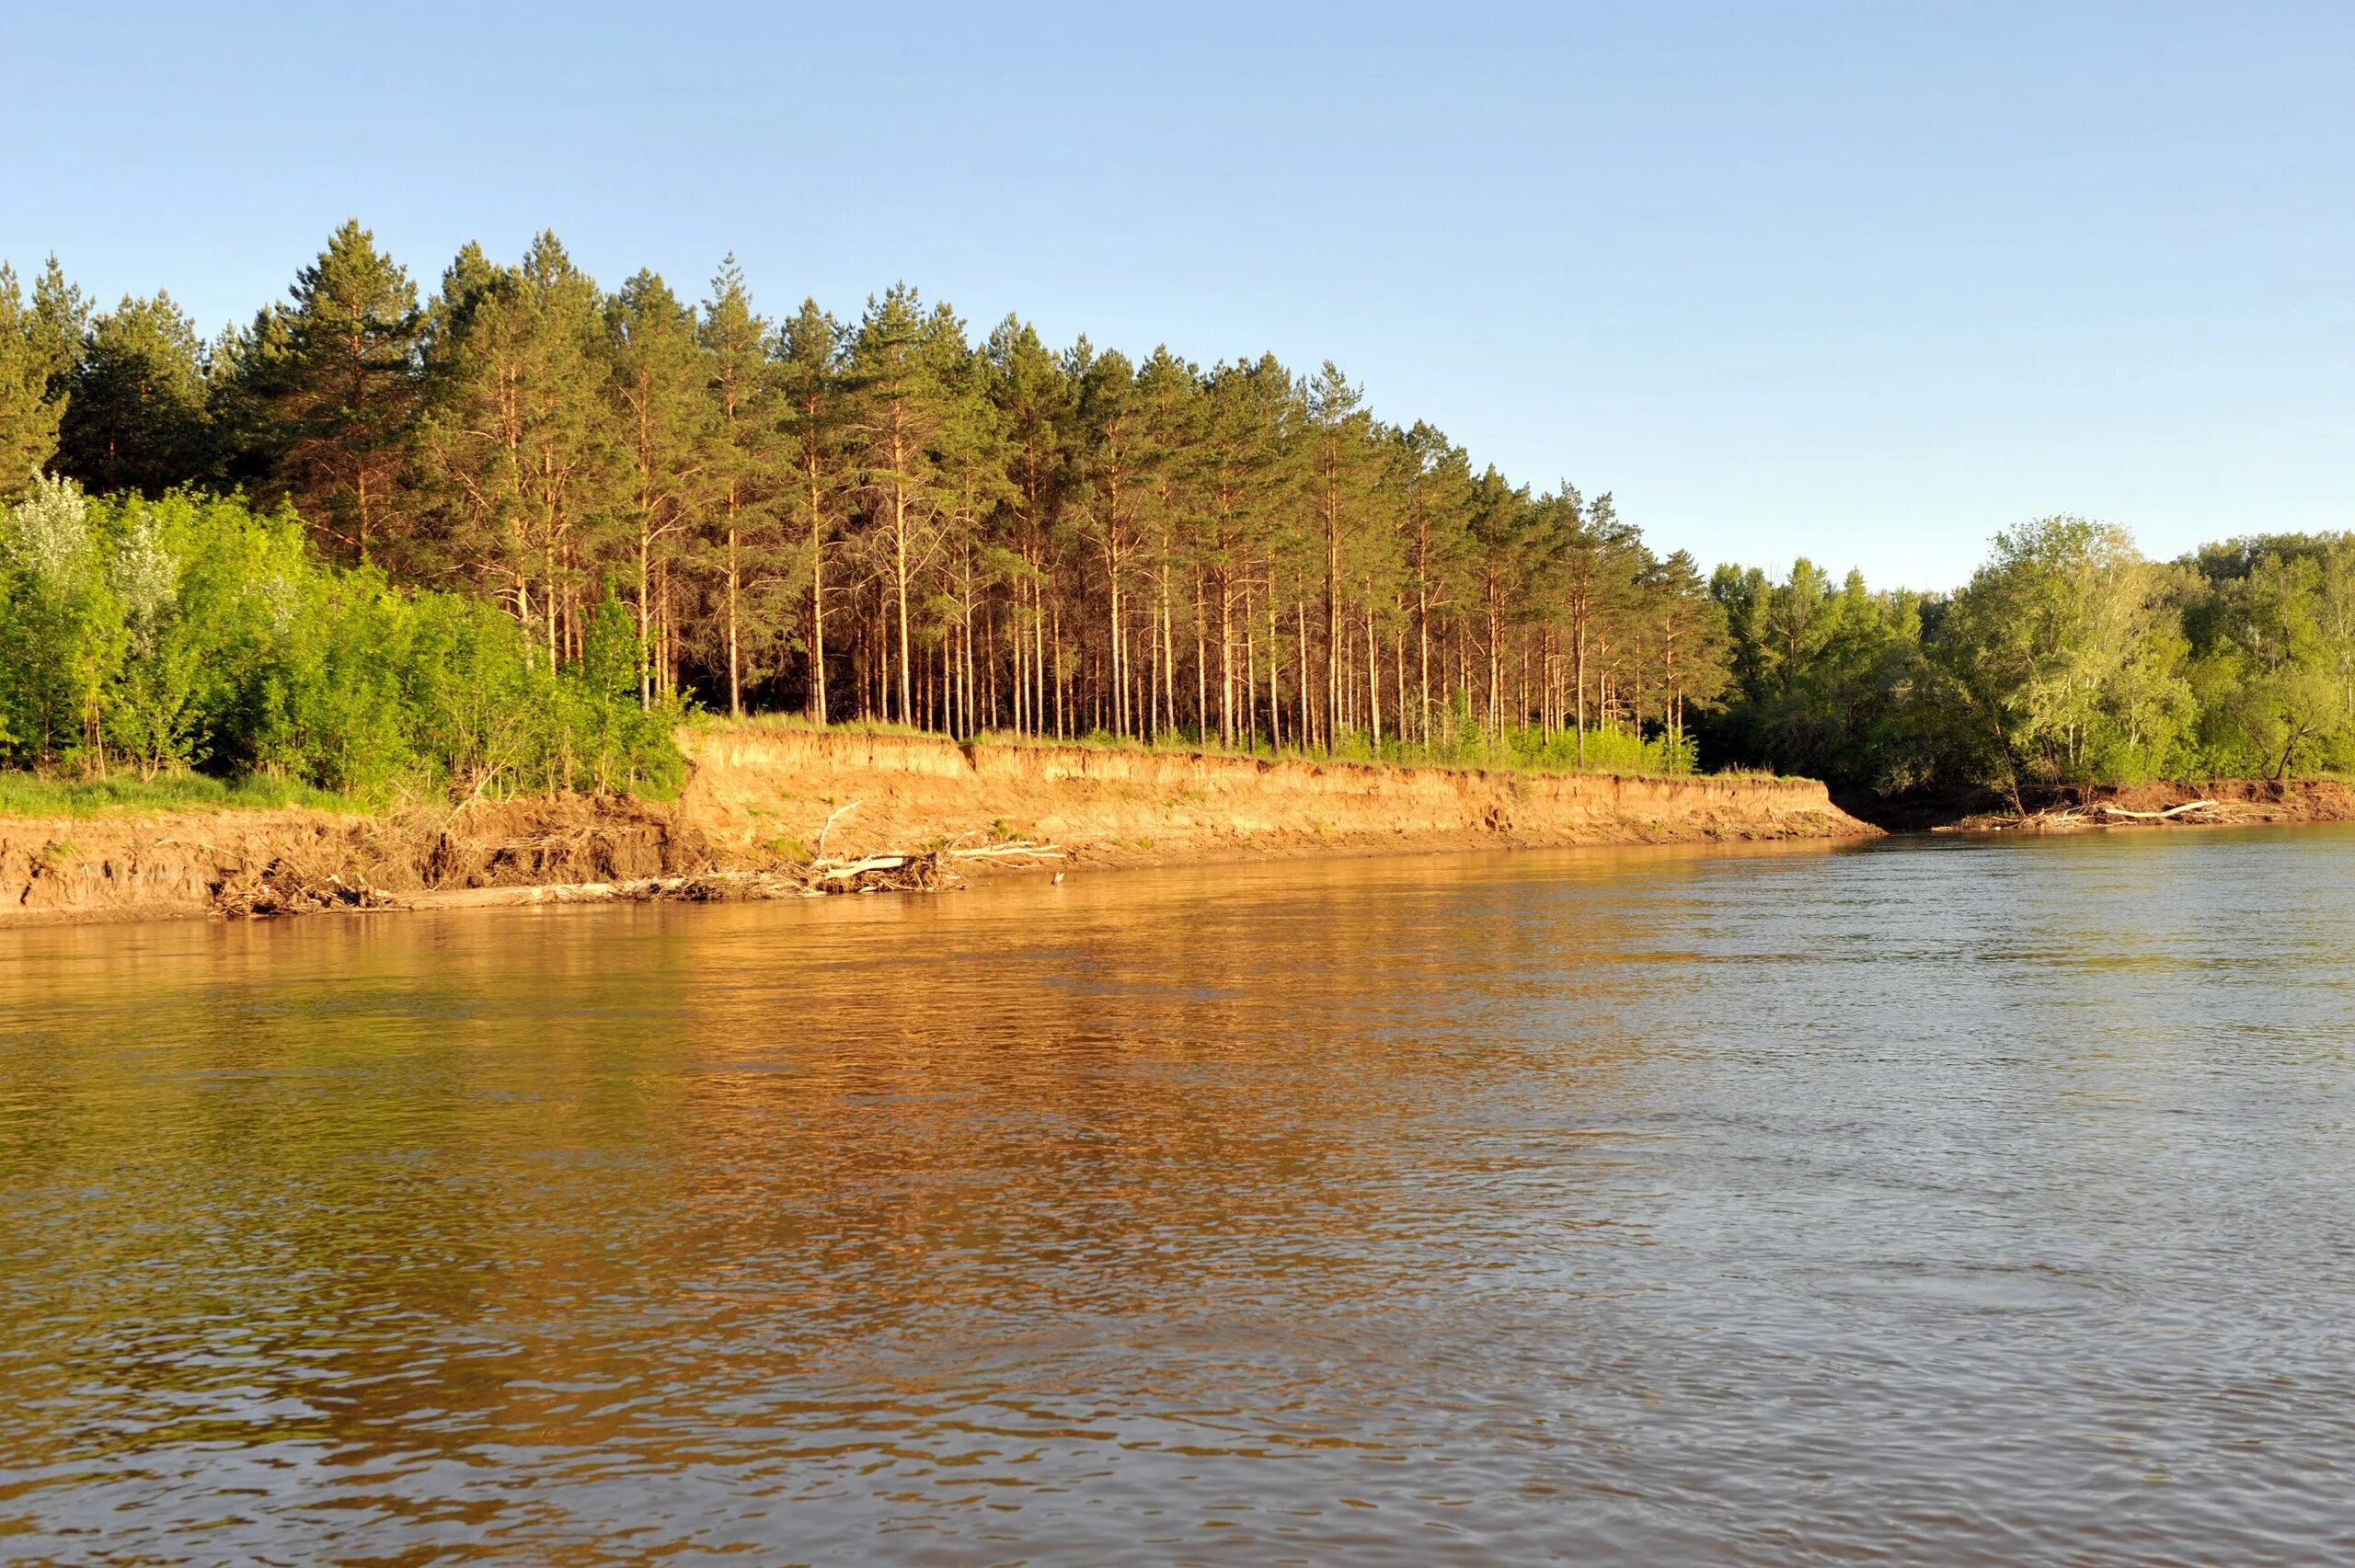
754, 790
758, 801
2192, 804
138, 866
2069, 808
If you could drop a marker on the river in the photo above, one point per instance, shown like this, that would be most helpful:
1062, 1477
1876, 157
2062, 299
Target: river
1940, 1200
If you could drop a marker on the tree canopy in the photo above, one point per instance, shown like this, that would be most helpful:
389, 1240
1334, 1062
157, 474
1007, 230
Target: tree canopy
882, 518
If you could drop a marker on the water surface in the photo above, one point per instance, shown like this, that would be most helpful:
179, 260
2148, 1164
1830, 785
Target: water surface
1941, 1200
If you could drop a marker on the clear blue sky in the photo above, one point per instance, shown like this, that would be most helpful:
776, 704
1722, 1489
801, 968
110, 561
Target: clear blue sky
1860, 281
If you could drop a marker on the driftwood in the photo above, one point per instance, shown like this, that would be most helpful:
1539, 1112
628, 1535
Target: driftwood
930, 870
923, 870
2172, 811
830, 817
2066, 819
283, 887
286, 887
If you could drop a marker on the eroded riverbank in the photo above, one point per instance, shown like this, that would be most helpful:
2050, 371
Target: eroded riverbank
2078, 807
757, 799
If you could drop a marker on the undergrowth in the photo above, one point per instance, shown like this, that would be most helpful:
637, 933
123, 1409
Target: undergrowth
25, 795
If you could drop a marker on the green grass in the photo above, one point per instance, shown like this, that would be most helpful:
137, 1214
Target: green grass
1500, 757
707, 720
23, 795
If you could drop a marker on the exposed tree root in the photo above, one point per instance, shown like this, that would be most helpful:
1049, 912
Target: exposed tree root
284, 887
2079, 818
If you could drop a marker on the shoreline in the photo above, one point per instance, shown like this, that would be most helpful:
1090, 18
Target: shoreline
2082, 808
763, 803
759, 802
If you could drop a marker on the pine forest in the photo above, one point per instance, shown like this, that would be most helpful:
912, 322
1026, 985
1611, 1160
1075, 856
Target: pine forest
505, 532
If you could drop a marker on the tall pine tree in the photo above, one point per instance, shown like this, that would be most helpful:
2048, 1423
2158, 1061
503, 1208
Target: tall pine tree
811, 396
136, 413
666, 423
345, 398
32, 388
749, 460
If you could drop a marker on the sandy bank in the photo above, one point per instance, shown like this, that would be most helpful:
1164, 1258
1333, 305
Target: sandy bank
759, 797
771, 788
2110, 808
146, 865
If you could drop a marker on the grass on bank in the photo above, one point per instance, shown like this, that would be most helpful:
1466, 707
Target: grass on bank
1610, 752
25, 795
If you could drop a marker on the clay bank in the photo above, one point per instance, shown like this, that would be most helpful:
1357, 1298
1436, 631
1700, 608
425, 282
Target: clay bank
757, 800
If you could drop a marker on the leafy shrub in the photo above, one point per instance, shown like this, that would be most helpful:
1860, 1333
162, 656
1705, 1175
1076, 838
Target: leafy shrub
195, 632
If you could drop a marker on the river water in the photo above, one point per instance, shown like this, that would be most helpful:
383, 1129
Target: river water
1951, 1201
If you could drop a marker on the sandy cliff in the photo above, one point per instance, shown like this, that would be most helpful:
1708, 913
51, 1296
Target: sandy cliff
756, 797
776, 788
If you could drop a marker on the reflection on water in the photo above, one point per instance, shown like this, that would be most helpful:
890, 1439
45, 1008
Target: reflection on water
1955, 1201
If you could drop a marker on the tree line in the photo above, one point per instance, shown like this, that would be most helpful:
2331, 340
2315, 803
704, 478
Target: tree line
890, 518
2067, 658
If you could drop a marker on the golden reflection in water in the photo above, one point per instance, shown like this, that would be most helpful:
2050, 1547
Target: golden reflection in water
1413, 1210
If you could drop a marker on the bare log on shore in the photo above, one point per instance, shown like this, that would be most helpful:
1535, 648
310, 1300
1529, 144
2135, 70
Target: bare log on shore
2185, 809
286, 887
925, 871
2062, 819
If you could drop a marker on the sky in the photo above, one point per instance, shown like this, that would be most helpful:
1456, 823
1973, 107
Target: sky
1861, 283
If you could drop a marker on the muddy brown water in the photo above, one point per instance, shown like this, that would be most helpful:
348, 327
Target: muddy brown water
1944, 1201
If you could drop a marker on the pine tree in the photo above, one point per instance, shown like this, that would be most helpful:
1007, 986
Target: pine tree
810, 391
1592, 577
518, 439
32, 394
1169, 400
136, 413
898, 360
1694, 642
1037, 403
969, 458
1341, 478
750, 456
345, 398
37, 364
1434, 479
1112, 457
246, 374
1507, 537
666, 424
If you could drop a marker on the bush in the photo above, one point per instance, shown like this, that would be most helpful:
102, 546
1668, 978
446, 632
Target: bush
195, 632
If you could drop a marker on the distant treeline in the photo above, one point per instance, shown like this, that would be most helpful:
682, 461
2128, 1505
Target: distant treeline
2066, 658
888, 520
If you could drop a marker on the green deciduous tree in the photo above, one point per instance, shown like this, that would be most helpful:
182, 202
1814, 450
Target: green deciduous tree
2058, 647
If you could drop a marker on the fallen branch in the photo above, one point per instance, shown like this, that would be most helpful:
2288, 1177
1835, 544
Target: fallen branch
835, 872
2187, 806
830, 828
284, 888
1009, 852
